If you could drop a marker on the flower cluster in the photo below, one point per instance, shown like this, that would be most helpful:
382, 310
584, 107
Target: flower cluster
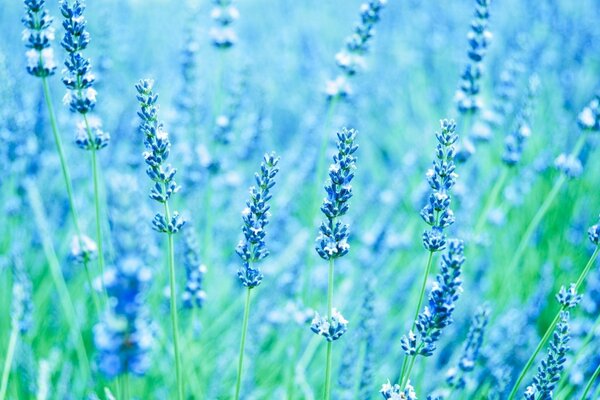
515, 141
22, 302
38, 35
569, 165
479, 38
256, 217
594, 233
568, 298
223, 13
471, 348
441, 179
331, 329
551, 367
395, 392
99, 138
124, 336
589, 118
442, 298
193, 294
332, 241
351, 58
83, 249
157, 143
77, 76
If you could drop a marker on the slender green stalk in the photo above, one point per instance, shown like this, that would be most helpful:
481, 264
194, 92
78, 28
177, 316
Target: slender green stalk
491, 200
67, 178
540, 214
551, 327
405, 363
10, 352
173, 298
327, 393
95, 178
125, 382
588, 387
58, 278
238, 384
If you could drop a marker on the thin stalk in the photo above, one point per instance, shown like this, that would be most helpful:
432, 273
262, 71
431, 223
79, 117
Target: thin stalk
541, 213
238, 384
126, 395
491, 201
173, 298
588, 387
67, 178
99, 238
10, 352
405, 363
327, 394
58, 278
550, 329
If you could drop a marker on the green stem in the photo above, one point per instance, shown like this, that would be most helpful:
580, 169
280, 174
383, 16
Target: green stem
491, 201
57, 276
541, 213
550, 329
405, 363
588, 387
238, 384
173, 298
99, 240
10, 352
330, 282
126, 395
67, 178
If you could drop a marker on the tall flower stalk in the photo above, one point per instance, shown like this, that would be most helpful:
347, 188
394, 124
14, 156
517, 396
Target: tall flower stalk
38, 36
568, 298
332, 241
156, 141
81, 99
252, 248
467, 97
437, 315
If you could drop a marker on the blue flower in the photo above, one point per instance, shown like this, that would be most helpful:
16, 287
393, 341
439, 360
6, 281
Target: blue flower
551, 367
332, 241
515, 140
158, 146
193, 294
479, 38
351, 58
38, 35
441, 179
568, 298
330, 329
437, 315
223, 13
22, 303
124, 336
256, 217
395, 392
589, 118
594, 233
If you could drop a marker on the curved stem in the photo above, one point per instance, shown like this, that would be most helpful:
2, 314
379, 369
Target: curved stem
10, 352
173, 298
551, 327
588, 387
238, 384
327, 393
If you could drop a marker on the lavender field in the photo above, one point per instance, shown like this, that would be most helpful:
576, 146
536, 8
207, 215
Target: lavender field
298, 200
